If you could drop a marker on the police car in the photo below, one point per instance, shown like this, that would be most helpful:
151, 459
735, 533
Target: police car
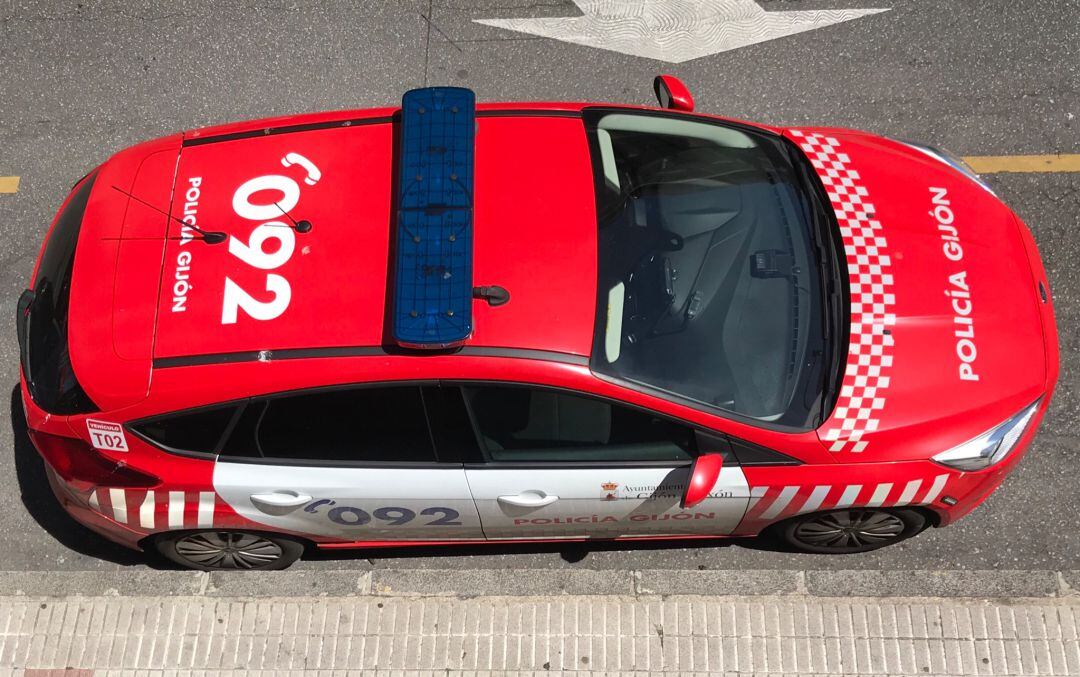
456, 323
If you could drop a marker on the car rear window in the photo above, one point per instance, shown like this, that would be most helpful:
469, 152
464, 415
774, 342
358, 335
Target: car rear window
43, 321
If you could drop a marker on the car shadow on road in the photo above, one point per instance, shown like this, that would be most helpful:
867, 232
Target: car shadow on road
38, 498
571, 553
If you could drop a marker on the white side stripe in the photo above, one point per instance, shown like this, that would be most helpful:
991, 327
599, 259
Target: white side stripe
94, 502
176, 510
755, 495
119, 505
908, 495
146, 511
206, 509
880, 494
935, 489
781, 502
849, 496
817, 497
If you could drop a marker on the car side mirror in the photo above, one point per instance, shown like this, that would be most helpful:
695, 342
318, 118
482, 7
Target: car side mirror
703, 476
672, 93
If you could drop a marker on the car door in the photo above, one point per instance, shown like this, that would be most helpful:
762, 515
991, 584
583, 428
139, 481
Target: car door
355, 464
560, 464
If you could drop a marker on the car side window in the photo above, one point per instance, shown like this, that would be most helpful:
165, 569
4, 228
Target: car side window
198, 431
749, 454
527, 424
373, 424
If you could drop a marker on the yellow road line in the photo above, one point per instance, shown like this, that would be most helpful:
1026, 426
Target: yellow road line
983, 164
996, 164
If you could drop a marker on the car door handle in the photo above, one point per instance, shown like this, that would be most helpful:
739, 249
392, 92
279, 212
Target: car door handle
276, 501
529, 499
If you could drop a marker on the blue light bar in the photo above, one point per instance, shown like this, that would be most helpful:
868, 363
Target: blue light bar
433, 285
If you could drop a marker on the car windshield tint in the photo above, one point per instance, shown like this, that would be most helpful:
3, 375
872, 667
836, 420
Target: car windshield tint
384, 424
709, 287
198, 431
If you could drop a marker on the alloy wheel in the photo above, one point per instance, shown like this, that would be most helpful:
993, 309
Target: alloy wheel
228, 550
850, 529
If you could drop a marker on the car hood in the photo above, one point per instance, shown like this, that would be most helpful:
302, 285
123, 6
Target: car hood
946, 321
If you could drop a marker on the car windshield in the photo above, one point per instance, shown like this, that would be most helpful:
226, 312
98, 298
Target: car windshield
709, 281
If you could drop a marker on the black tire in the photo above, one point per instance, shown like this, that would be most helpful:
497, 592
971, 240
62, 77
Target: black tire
852, 530
229, 549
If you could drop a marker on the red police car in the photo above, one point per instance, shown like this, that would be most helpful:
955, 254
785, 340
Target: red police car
456, 323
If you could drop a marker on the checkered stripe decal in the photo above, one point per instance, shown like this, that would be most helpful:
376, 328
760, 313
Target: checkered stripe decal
862, 392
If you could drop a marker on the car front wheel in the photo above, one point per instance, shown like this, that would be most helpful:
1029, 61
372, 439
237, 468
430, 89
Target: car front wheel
851, 530
228, 550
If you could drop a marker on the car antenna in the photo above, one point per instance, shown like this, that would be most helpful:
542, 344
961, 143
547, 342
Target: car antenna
209, 236
301, 226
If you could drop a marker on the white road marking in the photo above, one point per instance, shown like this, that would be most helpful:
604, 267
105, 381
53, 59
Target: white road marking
781, 502
176, 510
146, 511
849, 496
666, 30
118, 498
206, 509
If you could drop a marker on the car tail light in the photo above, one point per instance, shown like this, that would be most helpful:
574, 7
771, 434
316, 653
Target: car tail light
77, 461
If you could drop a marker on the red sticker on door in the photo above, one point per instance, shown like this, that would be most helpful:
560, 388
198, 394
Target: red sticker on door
106, 436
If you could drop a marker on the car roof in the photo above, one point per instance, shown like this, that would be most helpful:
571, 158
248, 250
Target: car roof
534, 234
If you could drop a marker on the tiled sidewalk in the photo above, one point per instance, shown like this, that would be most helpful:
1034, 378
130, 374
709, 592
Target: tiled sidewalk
541, 635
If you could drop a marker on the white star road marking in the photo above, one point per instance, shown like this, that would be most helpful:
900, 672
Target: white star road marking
676, 30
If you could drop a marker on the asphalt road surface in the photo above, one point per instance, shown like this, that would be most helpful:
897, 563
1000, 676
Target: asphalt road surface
79, 81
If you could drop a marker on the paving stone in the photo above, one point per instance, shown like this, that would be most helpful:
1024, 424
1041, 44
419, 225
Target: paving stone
717, 582
67, 583
481, 582
410, 635
954, 583
288, 583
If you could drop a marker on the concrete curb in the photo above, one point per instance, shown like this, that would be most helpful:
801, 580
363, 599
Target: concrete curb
509, 583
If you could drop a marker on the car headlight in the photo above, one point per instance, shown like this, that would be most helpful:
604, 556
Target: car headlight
953, 161
990, 447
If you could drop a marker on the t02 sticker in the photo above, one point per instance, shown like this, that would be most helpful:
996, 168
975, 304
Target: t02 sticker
106, 436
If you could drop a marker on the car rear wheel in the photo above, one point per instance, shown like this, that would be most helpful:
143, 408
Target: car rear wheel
227, 550
850, 531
